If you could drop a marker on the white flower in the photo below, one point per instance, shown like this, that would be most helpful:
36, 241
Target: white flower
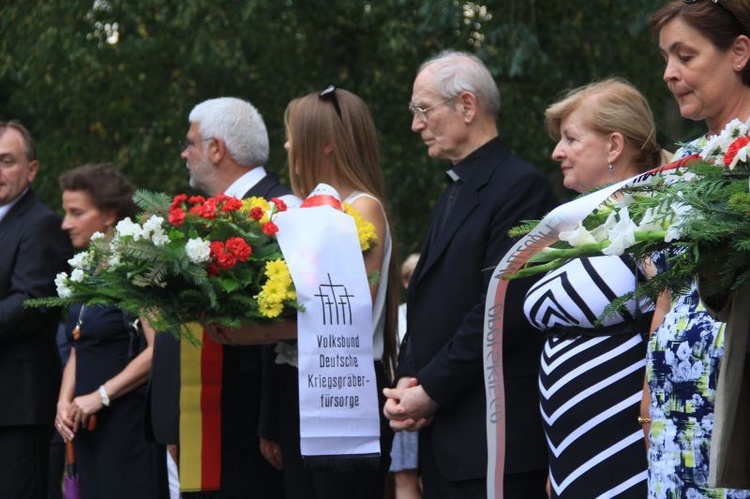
198, 250
153, 224
717, 145
681, 212
741, 155
621, 236
81, 260
97, 235
600, 233
153, 228
61, 281
712, 149
651, 220
77, 275
113, 260
127, 227
577, 237
159, 238
625, 200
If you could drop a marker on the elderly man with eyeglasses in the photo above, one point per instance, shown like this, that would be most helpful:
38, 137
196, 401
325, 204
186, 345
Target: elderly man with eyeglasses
440, 383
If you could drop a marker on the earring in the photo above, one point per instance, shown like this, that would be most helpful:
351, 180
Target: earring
610, 166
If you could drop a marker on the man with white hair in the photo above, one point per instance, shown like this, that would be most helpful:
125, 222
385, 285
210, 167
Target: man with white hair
440, 388
224, 151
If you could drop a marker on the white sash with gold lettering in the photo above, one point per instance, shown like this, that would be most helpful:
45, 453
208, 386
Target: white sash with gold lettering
339, 413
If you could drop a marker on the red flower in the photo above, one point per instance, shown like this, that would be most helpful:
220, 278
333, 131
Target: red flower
212, 269
217, 248
256, 213
176, 216
208, 209
734, 148
280, 204
270, 228
197, 199
239, 248
226, 260
196, 210
231, 204
178, 200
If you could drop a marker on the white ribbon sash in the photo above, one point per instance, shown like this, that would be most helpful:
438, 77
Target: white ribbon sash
337, 389
564, 217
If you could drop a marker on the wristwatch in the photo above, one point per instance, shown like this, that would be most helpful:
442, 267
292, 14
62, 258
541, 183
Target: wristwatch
105, 397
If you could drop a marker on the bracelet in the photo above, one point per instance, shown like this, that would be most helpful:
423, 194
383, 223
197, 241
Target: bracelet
104, 396
643, 421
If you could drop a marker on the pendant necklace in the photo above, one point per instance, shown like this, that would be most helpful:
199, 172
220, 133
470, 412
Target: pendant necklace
77, 330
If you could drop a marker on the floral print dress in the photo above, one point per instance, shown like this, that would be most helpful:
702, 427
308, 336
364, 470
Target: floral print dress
682, 370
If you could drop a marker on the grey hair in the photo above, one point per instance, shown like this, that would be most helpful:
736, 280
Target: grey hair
238, 124
457, 72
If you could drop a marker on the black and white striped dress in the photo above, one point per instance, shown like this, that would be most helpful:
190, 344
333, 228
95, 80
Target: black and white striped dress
591, 380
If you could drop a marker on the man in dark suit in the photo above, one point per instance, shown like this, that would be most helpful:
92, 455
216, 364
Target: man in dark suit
225, 150
34, 249
440, 388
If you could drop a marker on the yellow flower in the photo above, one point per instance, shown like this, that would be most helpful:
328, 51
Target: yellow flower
253, 202
269, 309
278, 270
275, 290
365, 229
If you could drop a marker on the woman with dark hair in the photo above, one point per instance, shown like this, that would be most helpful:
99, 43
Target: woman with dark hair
110, 358
706, 47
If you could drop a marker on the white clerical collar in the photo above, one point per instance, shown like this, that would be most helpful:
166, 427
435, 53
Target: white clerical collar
4, 209
246, 182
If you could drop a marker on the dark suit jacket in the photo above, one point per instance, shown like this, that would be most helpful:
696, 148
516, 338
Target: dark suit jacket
33, 249
446, 298
243, 467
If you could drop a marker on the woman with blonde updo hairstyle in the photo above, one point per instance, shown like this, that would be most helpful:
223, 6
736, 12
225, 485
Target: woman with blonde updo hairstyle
611, 106
591, 376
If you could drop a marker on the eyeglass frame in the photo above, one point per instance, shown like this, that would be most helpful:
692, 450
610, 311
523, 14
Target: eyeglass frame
696, 1
421, 113
329, 94
185, 143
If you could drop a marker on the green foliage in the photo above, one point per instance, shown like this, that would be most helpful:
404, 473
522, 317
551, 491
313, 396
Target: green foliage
173, 281
89, 100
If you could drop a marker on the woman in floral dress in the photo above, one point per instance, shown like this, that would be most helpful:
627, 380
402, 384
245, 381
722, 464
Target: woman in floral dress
706, 47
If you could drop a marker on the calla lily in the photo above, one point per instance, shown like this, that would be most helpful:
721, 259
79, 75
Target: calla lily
578, 236
602, 232
622, 235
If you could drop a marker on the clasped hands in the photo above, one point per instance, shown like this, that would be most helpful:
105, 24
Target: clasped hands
408, 406
76, 414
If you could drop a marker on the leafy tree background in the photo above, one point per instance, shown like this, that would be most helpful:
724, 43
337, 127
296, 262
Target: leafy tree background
115, 80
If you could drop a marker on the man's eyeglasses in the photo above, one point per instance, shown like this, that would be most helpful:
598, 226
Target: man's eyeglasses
696, 1
185, 143
329, 94
421, 113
